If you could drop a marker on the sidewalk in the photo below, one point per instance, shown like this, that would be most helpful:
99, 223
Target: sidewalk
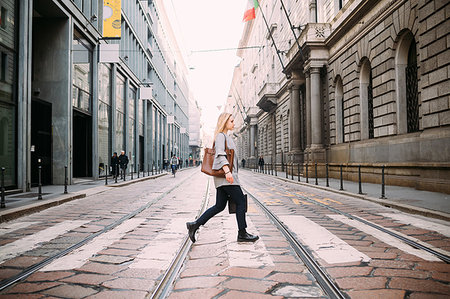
25, 203
432, 204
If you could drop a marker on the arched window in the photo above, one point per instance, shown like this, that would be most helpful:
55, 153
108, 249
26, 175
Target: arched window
366, 100
339, 106
406, 83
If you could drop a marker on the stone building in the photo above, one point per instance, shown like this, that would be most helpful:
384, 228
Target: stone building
71, 96
356, 83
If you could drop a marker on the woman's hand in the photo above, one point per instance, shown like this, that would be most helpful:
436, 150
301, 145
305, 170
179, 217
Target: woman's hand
229, 178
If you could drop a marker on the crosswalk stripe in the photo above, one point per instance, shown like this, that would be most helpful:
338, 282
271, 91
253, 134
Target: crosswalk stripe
80, 256
27, 243
10, 227
384, 237
418, 222
326, 245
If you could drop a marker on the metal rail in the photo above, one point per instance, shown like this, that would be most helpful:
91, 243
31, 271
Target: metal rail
32, 269
323, 279
165, 284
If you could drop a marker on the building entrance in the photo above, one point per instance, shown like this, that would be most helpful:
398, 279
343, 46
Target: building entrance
41, 142
82, 144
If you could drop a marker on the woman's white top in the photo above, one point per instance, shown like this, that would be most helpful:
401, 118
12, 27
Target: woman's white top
220, 159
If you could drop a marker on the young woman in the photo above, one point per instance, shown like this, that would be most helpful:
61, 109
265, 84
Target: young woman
226, 187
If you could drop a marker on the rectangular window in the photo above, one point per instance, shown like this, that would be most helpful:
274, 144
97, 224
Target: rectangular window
3, 66
3, 16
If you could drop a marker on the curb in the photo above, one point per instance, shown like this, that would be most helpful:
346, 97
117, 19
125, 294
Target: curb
384, 202
136, 180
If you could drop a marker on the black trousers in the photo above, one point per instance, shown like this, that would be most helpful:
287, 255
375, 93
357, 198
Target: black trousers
235, 192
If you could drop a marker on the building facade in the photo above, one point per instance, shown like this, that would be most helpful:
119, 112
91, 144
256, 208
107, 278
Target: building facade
356, 83
71, 97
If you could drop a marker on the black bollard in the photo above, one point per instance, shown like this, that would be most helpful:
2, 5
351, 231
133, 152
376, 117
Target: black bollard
39, 182
342, 182
131, 170
3, 205
153, 166
315, 172
271, 168
382, 183
65, 179
106, 174
148, 169
276, 174
326, 173
307, 174
124, 173
116, 173
287, 170
292, 171
139, 170
298, 171
359, 180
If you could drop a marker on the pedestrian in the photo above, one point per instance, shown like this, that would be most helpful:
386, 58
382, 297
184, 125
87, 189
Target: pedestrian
123, 162
114, 165
174, 164
261, 163
225, 187
243, 163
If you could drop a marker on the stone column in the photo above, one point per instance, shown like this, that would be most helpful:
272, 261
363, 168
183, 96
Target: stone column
316, 107
295, 116
308, 110
252, 140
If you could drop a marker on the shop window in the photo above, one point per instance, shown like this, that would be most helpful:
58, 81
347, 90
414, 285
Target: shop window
339, 106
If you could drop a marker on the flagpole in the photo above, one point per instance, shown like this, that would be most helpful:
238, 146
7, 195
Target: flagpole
292, 29
273, 41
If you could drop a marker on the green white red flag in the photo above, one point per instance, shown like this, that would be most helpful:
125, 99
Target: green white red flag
250, 12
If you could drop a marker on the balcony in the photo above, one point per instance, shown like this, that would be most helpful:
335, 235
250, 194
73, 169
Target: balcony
268, 100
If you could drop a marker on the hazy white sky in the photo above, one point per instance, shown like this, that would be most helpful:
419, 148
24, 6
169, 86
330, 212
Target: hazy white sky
208, 25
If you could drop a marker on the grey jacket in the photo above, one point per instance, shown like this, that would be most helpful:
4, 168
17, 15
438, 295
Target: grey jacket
220, 159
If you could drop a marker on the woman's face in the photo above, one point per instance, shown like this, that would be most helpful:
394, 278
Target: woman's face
230, 124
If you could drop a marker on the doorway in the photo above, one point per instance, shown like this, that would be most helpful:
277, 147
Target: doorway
41, 142
82, 144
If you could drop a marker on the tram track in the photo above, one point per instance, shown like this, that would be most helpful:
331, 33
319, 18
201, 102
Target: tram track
36, 267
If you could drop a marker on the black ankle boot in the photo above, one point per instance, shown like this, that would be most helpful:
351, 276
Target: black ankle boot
192, 227
243, 236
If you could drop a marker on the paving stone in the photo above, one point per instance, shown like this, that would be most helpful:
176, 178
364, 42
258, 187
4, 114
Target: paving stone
92, 279
434, 266
293, 291
8, 272
289, 267
211, 270
119, 295
22, 261
349, 271
195, 294
401, 273
391, 264
111, 259
284, 258
49, 276
283, 244
441, 276
207, 262
70, 291
419, 285
198, 282
418, 295
246, 295
362, 283
101, 268
120, 245
130, 284
246, 272
382, 255
206, 251
377, 294
31, 287
28, 296
250, 285
120, 252
290, 278
141, 273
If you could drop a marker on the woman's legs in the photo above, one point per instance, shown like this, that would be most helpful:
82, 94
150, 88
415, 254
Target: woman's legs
236, 194
221, 202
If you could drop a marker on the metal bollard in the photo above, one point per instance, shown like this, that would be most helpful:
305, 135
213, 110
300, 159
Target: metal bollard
307, 174
153, 166
39, 182
276, 174
298, 171
116, 173
326, 173
382, 183
3, 205
342, 182
124, 173
65, 179
315, 172
359, 180
287, 172
139, 170
148, 169
131, 170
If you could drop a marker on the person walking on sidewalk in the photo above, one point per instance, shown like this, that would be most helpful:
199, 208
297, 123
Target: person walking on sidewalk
174, 164
115, 165
123, 163
225, 187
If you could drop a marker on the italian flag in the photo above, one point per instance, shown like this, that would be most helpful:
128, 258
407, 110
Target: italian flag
250, 12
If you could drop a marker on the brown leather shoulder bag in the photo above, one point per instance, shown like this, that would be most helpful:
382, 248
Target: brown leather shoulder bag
208, 160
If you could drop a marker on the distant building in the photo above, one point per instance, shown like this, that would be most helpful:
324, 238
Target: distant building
364, 83
69, 98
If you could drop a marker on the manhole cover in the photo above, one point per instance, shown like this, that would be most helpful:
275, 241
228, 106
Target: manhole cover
28, 195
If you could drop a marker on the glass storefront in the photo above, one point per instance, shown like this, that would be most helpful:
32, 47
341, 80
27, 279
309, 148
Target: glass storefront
120, 114
82, 73
8, 101
132, 124
104, 118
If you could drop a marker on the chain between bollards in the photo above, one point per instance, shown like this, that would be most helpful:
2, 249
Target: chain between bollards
342, 182
3, 205
39, 182
383, 195
359, 180
326, 171
65, 179
315, 173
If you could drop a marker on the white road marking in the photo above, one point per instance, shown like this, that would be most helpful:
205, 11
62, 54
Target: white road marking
9, 228
163, 248
386, 238
27, 243
252, 255
420, 223
326, 245
79, 257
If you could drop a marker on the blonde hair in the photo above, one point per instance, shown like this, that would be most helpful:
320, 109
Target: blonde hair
221, 123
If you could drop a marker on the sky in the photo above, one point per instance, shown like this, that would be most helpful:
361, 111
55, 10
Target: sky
208, 25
